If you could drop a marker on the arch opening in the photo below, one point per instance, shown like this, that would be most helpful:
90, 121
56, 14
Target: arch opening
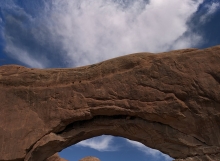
108, 147
152, 134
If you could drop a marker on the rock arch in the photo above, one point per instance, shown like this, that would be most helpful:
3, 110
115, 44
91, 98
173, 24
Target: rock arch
168, 101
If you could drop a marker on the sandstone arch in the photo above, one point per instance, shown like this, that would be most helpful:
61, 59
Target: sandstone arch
168, 101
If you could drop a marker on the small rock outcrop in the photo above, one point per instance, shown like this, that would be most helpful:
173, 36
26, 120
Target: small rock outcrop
168, 101
90, 159
55, 157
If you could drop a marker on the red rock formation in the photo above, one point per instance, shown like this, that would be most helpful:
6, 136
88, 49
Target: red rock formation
89, 159
55, 157
168, 101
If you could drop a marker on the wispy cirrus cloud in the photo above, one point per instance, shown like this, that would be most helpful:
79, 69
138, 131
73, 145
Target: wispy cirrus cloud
63, 33
148, 151
211, 9
24, 56
101, 143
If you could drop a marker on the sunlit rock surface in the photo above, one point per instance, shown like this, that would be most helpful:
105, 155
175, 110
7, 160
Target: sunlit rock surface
168, 101
89, 159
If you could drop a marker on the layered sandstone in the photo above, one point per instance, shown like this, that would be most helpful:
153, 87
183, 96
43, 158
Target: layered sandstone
167, 101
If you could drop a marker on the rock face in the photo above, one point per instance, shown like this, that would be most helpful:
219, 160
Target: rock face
55, 157
89, 159
168, 101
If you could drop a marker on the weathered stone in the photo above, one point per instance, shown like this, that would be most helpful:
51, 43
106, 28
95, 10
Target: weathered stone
168, 101
89, 159
55, 157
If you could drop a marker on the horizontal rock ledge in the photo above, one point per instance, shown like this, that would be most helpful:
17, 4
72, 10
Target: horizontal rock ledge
168, 101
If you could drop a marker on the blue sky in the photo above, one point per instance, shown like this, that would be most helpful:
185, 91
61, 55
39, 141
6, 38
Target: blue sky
71, 33
109, 148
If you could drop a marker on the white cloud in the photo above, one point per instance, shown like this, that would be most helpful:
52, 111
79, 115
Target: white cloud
106, 143
101, 143
23, 56
92, 31
187, 41
148, 151
88, 31
211, 9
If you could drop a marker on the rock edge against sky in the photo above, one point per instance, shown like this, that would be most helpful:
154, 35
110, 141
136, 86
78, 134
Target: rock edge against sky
168, 101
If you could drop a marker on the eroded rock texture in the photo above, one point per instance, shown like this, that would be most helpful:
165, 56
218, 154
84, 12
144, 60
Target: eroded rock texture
168, 101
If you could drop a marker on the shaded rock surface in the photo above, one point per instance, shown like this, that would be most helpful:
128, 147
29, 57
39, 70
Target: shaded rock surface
168, 101
55, 157
89, 159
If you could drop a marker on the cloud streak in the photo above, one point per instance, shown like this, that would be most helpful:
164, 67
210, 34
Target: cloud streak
211, 9
101, 143
148, 151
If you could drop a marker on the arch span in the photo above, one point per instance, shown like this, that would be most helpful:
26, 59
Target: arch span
168, 101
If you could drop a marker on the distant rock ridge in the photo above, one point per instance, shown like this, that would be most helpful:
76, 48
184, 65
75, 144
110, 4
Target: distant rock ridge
56, 157
168, 101
90, 158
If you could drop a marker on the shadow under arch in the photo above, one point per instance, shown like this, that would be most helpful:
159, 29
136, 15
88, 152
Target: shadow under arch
152, 134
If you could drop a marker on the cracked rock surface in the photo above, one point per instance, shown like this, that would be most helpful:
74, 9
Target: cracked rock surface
168, 101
